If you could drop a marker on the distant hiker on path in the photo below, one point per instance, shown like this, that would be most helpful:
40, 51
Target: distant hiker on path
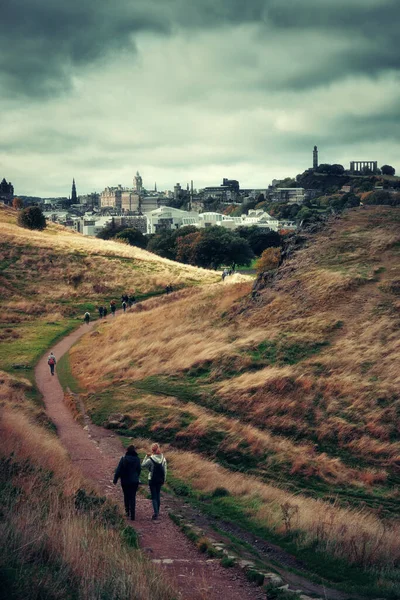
124, 306
113, 307
105, 311
157, 466
51, 361
131, 300
86, 318
128, 471
101, 312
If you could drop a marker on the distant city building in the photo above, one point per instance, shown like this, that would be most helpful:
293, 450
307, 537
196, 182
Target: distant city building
93, 224
177, 191
228, 191
120, 198
148, 203
166, 218
289, 195
6, 192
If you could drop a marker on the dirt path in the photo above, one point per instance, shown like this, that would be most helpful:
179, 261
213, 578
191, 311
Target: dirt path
96, 452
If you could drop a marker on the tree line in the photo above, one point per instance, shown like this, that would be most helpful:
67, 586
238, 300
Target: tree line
210, 247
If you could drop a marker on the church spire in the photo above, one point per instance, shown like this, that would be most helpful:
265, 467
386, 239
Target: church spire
74, 197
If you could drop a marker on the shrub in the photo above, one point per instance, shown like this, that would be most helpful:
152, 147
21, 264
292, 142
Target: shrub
268, 260
220, 492
32, 218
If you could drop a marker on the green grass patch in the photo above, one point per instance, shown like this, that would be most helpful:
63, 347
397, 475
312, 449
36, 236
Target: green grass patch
65, 375
283, 352
34, 339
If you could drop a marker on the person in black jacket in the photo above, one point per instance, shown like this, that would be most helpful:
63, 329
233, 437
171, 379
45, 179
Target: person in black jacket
128, 471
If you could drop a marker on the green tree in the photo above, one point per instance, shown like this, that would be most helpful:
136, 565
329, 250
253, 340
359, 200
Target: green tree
110, 230
218, 245
165, 243
32, 218
186, 248
388, 170
133, 237
259, 239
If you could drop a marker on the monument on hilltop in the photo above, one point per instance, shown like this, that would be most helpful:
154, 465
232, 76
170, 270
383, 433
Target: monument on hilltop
138, 183
315, 158
361, 167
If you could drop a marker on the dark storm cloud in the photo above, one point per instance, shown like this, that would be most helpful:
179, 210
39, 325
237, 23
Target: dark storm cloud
373, 27
43, 42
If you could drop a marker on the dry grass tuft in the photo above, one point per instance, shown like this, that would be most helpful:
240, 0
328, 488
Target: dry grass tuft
53, 548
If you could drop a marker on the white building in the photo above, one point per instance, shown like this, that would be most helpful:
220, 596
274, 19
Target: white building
166, 218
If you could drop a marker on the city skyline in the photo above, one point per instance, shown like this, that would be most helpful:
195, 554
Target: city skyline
200, 92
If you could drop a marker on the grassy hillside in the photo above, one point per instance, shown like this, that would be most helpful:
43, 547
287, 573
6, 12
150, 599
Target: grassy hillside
59, 538
49, 279
295, 394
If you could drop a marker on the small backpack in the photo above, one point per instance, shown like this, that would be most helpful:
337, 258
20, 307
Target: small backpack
51, 361
158, 472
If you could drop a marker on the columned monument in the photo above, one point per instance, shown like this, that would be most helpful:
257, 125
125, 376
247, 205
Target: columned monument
360, 166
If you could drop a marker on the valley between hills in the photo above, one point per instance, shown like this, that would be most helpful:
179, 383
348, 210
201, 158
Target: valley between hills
278, 410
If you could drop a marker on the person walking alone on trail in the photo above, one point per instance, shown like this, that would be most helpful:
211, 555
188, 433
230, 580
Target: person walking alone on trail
113, 307
86, 318
124, 306
101, 312
128, 471
51, 361
157, 466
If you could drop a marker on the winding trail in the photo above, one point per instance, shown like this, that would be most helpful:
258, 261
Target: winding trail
96, 452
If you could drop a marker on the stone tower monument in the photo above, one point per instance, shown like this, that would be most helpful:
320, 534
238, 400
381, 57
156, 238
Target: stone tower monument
315, 158
138, 183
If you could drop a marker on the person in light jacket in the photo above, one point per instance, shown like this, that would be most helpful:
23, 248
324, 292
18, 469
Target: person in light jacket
128, 471
157, 466
51, 361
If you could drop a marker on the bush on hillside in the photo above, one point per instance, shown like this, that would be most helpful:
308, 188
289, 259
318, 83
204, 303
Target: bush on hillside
32, 218
268, 260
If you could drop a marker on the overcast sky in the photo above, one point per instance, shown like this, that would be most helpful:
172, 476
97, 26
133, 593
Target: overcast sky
195, 89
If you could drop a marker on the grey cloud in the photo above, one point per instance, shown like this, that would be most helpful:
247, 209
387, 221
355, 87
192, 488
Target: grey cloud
44, 42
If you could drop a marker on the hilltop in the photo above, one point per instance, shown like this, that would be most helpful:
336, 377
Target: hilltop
287, 401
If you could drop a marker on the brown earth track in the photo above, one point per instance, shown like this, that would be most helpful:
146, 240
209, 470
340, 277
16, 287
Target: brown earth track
96, 452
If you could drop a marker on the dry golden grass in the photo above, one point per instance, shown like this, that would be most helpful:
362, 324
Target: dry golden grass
59, 268
335, 290
354, 535
57, 550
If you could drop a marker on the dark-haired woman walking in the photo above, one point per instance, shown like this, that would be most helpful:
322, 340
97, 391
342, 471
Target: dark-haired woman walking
128, 471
